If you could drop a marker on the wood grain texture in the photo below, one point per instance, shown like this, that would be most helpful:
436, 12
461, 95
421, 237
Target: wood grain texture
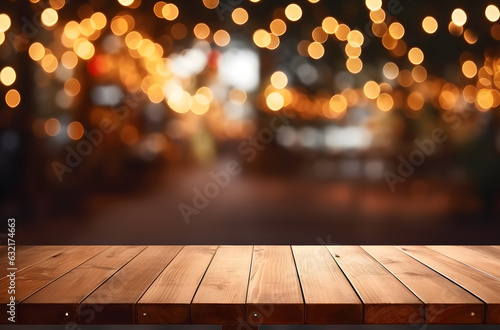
485, 250
114, 301
328, 295
483, 286
168, 299
274, 293
488, 265
32, 279
58, 301
26, 256
222, 294
445, 302
385, 299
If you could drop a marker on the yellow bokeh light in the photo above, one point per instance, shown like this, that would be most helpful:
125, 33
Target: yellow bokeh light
84, 48
57, 4
279, 80
470, 36
293, 12
455, 29
342, 32
201, 31
319, 35
492, 13
330, 25
155, 93
221, 38
419, 74
238, 96
239, 16
459, 17
49, 63
416, 56
200, 105
385, 102
415, 101
72, 87
275, 101
429, 24
371, 89
12, 98
338, 103
69, 59
391, 70
133, 40
485, 99
2, 37
396, 30
352, 51
75, 130
373, 4
180, 101
98, 20
158, 7
72, 30
354, 65
125, 3
278, 27
447, 100
207, 92
119, 26
211, 4
377, 16
49, 17
36, 51
315, 50
7, 76
469, 69
355, 38
261, 38
170, 11
4, 22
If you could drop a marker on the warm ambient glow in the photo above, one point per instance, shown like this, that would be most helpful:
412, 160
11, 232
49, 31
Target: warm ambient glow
430, 25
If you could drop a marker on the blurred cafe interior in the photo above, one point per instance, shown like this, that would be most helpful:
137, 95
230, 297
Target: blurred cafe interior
250, 121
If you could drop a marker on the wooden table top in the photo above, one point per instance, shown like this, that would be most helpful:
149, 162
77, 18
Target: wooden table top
254, 284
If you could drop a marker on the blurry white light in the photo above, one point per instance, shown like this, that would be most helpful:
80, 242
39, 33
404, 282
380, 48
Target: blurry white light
112, 44
350, 137
310, 137
307, 73
239, 67
286, 137
107, 95
350, 168
190, 62
344, 80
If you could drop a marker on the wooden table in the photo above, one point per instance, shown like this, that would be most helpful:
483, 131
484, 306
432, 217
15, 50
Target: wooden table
241, 287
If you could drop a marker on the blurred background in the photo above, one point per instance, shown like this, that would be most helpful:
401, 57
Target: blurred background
250, 122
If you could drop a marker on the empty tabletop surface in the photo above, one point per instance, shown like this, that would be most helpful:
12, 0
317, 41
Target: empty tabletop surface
245, 284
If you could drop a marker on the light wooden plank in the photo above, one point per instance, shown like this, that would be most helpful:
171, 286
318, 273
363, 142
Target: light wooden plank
221, 297
114, 301
445, 302
488, 265
483, 286
274, 293
32, 279
385, 299
168, 299
27, 256
486, 250
57, 302
328, 295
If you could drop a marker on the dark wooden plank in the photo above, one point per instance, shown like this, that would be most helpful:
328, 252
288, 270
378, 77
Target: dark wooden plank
483, 286
32, 279
168, 299
57, 302
385, 299
445, 302
486, 250
30, 255
274, 294
328, 295
222, 294
114, 301
488, 265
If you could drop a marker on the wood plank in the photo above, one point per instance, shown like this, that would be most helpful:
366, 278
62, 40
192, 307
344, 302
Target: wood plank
121, 292
483, 286
488, 265
385, 299
168, 299
328, 295
445, 302
274, 293
486, 250
32, 279
29, 256
222, 294
57, 302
